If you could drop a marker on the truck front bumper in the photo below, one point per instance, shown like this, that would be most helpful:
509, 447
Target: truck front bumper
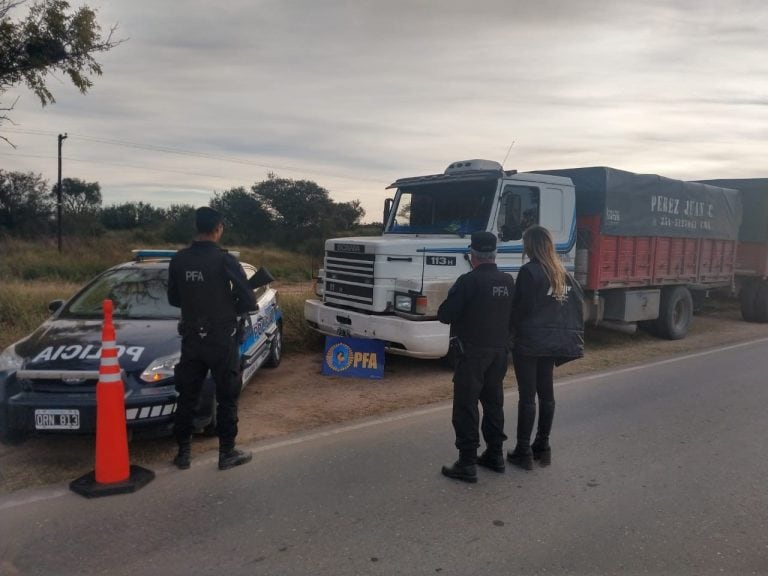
418, 339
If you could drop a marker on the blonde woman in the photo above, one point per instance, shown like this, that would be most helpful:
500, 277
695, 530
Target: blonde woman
549, 330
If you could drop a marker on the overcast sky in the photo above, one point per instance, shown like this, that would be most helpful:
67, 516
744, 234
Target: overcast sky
354, 94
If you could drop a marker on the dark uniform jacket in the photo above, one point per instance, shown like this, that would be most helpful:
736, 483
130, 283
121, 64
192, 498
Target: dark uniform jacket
544, 326
478, 307
209, 286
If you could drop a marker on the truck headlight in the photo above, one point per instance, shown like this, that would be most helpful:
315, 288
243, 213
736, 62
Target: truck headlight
403, 302
9, 360
160, 369
410, 303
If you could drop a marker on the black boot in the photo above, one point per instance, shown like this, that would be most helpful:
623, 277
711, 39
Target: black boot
492, 458
521, 456
464, 469
183, 457
233, 457
541, 449
542, 453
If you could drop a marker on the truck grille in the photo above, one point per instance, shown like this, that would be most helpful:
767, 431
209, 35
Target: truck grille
349, 277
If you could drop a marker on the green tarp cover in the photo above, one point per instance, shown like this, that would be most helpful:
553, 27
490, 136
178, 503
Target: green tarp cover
650, 205
754, 199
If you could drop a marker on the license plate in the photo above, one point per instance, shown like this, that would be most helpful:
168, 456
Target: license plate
57, 419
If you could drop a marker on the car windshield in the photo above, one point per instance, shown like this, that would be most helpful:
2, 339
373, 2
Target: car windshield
443, 208
135, 293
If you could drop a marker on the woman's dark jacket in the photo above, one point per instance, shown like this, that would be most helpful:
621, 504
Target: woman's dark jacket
544, 326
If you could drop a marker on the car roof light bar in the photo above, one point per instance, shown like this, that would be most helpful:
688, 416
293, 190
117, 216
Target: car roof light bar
140, 255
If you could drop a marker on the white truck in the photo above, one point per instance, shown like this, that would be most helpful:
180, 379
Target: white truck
389, 287
645, 249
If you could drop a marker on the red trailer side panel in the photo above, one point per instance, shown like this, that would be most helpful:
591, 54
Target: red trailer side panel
752, 259
639, 261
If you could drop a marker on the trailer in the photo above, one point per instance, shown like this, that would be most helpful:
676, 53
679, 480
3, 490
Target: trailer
751, 272
649, 248
645, 248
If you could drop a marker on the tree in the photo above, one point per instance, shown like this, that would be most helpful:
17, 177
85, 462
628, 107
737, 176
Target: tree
78, 196
299, 207
247, 220
346, 215
130, 215
25, 205
51, 38
179, 225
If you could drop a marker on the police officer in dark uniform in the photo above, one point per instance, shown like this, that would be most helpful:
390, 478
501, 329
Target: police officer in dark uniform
211, 288
479, 310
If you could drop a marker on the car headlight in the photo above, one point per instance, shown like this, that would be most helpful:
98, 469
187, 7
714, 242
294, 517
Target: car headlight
160, 369
9, 360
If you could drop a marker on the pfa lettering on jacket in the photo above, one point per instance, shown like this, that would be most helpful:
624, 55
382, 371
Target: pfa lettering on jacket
499, 291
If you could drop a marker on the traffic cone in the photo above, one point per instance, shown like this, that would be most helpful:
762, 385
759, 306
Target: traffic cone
113, 473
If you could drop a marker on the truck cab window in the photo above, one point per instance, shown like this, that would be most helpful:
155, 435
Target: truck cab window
443, 208
519, 210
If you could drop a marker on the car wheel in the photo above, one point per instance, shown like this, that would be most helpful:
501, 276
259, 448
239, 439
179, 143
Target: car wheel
276, 349
10, 436
210, 428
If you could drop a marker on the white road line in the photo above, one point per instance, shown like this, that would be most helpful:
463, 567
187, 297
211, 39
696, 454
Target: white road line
57, 491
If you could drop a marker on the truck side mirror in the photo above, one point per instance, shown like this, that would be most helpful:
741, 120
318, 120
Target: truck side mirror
387, 209
510, 233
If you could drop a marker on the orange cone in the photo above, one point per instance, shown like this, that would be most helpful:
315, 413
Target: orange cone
113, 474
111, 435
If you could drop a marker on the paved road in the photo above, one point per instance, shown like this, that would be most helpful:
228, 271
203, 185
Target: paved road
658, 470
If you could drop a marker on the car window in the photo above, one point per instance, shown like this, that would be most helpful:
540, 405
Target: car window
135, 293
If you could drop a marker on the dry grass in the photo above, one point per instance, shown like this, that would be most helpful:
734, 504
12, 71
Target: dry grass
34, 273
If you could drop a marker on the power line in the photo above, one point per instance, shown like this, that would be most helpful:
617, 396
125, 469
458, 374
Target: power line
192, 153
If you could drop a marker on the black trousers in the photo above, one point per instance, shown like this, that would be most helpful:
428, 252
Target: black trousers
479, 376
535, 375
218, 352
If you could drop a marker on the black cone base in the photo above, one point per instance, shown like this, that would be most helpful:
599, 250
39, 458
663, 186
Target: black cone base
87, 486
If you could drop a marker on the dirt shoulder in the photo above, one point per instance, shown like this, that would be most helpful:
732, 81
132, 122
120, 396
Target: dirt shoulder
297, 397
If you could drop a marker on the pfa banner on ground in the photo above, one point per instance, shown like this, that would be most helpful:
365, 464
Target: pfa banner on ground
355, 357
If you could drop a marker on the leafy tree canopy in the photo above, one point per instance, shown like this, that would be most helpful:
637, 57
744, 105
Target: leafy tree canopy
78, 196
25, 205
50, 38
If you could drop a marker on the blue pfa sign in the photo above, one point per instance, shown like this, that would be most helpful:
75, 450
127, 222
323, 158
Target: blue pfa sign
356, 357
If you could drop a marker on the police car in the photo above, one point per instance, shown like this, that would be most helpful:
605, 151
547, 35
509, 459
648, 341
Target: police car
48, 379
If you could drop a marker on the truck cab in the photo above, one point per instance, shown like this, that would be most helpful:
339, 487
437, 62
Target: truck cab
389, 287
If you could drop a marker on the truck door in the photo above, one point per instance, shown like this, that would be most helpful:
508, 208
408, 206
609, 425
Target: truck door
518, 209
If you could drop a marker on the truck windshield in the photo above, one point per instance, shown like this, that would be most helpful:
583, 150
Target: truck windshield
443, 208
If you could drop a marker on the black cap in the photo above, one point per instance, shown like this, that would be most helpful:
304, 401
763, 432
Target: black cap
206, 219
483, 241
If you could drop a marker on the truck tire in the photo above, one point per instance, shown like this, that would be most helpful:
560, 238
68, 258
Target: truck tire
675, 313
760, 302
747, 298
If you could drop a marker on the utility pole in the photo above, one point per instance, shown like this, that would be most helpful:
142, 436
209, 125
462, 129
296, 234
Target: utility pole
58, 195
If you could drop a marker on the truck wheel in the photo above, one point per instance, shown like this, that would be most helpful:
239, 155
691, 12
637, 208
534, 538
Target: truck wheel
747, 298
276, 351
760, 302
675, 313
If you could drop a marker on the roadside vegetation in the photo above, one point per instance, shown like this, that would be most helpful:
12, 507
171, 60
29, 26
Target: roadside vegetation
32, 273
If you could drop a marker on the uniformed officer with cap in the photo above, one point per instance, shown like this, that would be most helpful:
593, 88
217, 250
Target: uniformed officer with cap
211, 288
479, 309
